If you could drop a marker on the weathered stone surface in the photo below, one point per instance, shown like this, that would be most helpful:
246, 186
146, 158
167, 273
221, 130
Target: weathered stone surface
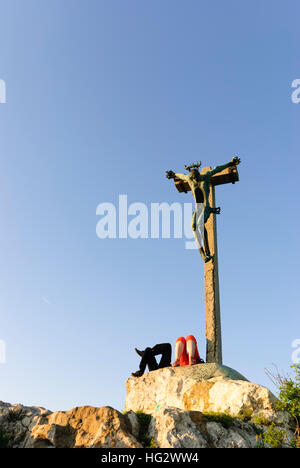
185, 387
189, 408
135, 425
184, 401
105, 427
16, 420
84, 426
240, 435
34, 427
232, 397
176, 428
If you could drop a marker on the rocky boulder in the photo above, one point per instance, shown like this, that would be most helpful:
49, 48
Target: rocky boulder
202, 406
16, 421
176, 428
203, 387
169, 427
33, 427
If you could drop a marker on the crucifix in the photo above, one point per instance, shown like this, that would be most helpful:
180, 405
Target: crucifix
202, 185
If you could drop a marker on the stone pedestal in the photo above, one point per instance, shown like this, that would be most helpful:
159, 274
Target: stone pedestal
185, 387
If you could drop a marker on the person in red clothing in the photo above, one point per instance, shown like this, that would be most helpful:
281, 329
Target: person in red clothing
186, 352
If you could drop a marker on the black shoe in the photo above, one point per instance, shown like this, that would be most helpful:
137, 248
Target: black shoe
140, 353
137, 374
201, 361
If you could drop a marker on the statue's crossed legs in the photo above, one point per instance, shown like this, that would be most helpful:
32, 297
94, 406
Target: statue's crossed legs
200, 216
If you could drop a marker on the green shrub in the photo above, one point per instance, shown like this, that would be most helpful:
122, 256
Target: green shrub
258, 430
245, 415
4, 439
222, 418
261, 420
289, 397
144, 421
288, 400
273, 437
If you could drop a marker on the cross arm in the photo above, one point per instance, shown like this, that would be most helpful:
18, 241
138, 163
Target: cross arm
226, 176
218, 169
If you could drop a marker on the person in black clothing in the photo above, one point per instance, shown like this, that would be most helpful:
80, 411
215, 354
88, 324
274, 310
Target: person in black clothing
148, 358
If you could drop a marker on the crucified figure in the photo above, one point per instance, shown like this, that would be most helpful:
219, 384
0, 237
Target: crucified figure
200, 187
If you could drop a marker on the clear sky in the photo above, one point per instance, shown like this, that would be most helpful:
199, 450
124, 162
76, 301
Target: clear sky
102, 98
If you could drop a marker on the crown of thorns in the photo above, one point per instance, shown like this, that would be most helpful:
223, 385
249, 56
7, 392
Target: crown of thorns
193, 166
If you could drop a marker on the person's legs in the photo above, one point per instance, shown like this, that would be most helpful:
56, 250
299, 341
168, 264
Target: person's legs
179, 350
165, 349
192, 350
148, 359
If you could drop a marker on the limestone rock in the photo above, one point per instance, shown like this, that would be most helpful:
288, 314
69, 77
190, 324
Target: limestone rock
170, 427
16, 420
233, 397
34, 427
135, 425
204, 387
176, 428
189, 408
84, 426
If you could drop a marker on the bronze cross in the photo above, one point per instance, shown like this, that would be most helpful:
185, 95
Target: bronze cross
211, 274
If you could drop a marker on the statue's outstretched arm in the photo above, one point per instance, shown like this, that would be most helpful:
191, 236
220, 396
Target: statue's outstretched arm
234, 162
173, 175
181, 176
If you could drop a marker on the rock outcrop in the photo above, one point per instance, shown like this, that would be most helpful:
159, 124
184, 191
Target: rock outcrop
17, 421
176, 428
86, 426
204, 387
203, 406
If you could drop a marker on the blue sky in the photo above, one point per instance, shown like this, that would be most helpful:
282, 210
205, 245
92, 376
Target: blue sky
102, 98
